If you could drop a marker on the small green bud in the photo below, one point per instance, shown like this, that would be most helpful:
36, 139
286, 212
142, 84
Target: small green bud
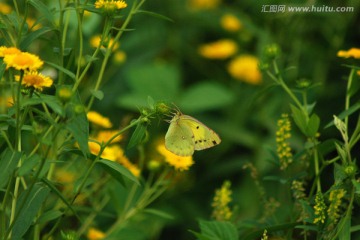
78, 109
272, 51
162, 108
153, 165
64, 94
350, 170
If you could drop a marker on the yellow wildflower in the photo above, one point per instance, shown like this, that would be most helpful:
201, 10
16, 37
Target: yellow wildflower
123, 160
99, 120
8, 51
95, 41
283, 147
352, 52
203, 4
119, 56
110, 5
335, 202
35, 80
105, 135
230, 23
320, 208
4, 8
245, 68
220, 204
298, 189
95, 234
178, 162
220, 49
358, 72
23, 61
31, 23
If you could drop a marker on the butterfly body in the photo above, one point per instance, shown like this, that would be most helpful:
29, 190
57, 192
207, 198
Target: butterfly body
186, 134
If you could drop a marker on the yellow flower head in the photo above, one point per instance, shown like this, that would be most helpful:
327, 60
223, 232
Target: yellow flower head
23, 61
245, 68
4, 8
220, 49
95, 41
203, 4
319, 208
119, 56
352, 52
230, 23
31, 23
4, 51
335, 199
35, 80
99, 120
178, 162
110, 5
95, 234
283, 146
221, 210
105, 135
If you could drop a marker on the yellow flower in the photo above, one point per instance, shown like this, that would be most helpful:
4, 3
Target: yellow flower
98, 119
245, 68
220, 204
95, 41
4, 8
23, 61
283, 147
358, 72
35, 80
110, 5
352, 52
95, 234
319, 208
178, 162
31, 23
105, 135
203, 4
230, 23
220, 49
334, 210
8, 51
119, 56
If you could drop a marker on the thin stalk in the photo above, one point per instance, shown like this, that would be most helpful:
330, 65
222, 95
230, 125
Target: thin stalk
347, 99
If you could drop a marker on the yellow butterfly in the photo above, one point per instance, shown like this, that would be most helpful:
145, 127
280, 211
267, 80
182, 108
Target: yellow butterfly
186, 134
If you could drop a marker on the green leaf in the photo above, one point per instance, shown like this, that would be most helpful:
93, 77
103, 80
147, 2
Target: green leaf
356, 185
299, 118
59, 194
214, 230
32, 204
29, 164
52, 101
49, 216
43, 9
8, 162
138, 135
313, 125
117, 171
206, 96
33, 35
352, 109
158, 213
345, 233
155, 15
78, 125
98, 94
339, 174
60, 68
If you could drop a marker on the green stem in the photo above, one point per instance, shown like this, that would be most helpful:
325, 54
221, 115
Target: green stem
347, 99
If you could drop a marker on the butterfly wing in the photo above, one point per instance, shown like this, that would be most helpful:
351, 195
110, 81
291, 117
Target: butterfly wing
204, 137
179, 138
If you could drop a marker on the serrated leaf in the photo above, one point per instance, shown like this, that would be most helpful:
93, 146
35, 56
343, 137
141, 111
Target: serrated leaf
215, 230
117, 171
8, 162
32, 204
138, 135
339, 174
